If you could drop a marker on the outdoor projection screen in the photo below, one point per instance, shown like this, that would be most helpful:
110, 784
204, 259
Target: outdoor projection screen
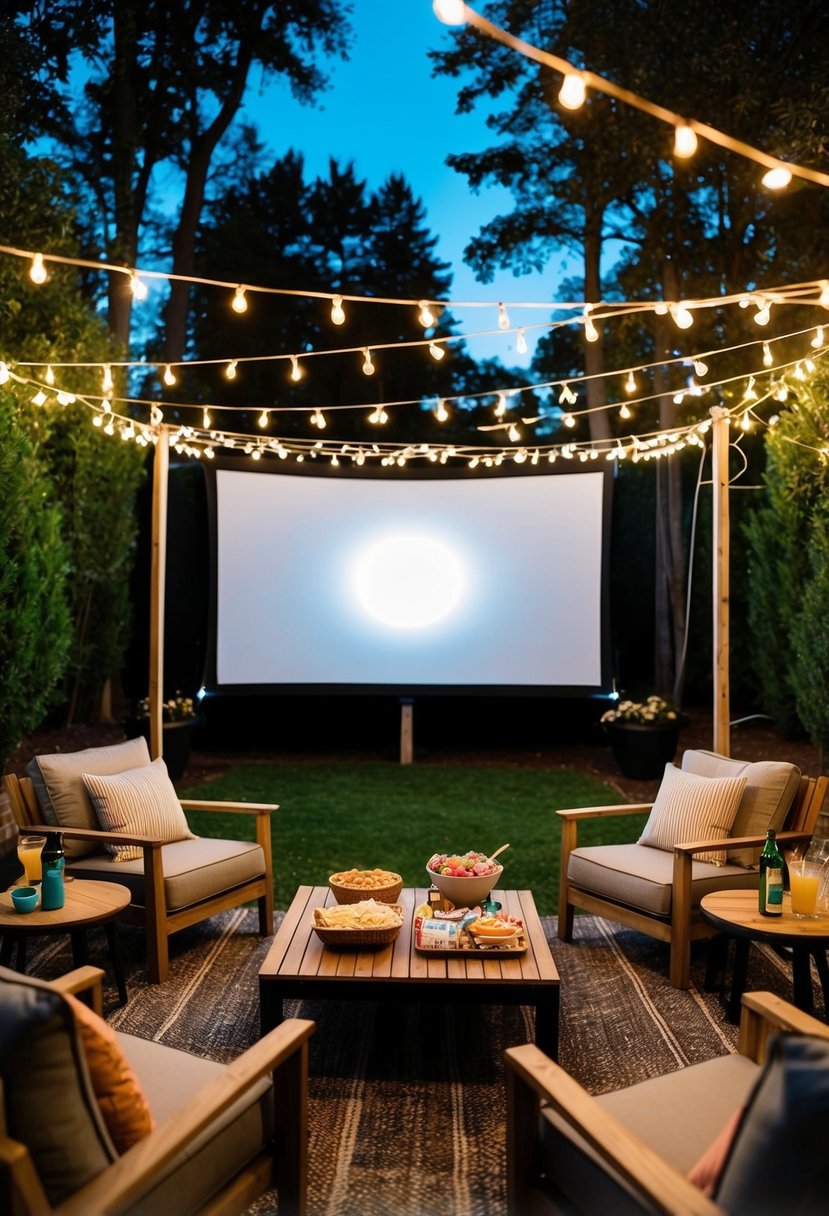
410, 584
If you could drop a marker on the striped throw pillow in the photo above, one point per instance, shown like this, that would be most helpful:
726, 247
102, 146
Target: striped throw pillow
139, 802
689, 808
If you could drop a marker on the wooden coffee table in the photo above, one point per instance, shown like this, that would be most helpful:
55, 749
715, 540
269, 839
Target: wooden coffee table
299, 965
87, 903
737, 915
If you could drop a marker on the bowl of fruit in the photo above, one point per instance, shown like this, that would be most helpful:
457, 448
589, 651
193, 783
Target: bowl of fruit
465, 879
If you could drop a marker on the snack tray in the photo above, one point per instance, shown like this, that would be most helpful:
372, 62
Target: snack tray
511, 949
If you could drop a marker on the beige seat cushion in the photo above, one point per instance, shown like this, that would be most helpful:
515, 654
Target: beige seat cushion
770, 789
690, 808
59, 788
677, 1115
170, 1079
641, 877
140, 802
194, 869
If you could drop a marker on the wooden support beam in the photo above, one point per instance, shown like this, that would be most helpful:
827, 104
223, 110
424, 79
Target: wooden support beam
161, 468
720, 581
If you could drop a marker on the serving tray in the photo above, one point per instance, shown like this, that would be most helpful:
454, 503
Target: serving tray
470, 949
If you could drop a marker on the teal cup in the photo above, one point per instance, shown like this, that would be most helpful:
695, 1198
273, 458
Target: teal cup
25, 898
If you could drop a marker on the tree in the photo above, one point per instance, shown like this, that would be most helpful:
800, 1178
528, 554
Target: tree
165, 83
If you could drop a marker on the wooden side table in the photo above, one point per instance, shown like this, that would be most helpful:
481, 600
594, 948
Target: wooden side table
737, 915
87, 903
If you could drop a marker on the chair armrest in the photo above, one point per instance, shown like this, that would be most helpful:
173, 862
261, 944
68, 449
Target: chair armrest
146, 842
83, 979
230, 808
738, 842
533, 1079
601, 812
122, 1183
763, 1014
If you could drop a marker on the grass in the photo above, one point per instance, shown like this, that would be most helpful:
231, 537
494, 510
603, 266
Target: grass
335, 816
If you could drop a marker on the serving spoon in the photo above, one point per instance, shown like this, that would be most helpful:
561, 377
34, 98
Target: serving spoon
492, 856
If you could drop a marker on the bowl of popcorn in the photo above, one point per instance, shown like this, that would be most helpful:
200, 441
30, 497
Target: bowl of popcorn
351, 886
465, 879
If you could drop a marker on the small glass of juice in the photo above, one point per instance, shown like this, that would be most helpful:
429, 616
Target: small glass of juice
29, 848
804, 877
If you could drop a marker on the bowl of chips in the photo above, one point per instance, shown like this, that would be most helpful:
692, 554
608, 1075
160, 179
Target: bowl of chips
351, 886
365, 923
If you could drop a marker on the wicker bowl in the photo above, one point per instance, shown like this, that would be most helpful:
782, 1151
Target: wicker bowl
387, 893
359, 938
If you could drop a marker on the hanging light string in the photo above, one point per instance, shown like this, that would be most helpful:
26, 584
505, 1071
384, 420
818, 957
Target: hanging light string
576, 82
594, 311
503, 396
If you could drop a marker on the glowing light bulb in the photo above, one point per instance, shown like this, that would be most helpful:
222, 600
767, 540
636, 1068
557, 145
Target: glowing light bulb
521, 342
441, 412
660, 308
38, 273
503, 317
777, 178
378, 416
39, 397
263, 418
590, 331
169, 375
296, 370
49, 376
501, 405
568, 420
318, 419
106, 379
337, 311
700, 368
137, 286
426, 317
206, 420
630, 384
97, 420
817, 341
808, 365
761, 317
624, 412
573, 91
368, 366
66, 399
4, 373
746, 422
768, 358
750, 393
437, 352
239, 302
682, 315
823, 298
685, 140
513, 434
450, 12
230, 370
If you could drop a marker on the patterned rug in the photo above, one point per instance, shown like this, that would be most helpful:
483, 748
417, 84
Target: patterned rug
406, 1101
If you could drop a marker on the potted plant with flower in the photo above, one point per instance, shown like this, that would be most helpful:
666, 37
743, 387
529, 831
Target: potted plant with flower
643, 735
178, 720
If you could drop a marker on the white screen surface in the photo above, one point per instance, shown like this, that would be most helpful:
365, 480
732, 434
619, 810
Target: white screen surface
359, 581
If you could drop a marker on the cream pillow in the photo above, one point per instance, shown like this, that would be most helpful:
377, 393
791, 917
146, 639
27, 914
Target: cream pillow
689, 807
139, 802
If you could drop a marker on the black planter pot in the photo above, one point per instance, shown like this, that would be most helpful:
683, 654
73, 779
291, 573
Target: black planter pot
642, 751
176, 741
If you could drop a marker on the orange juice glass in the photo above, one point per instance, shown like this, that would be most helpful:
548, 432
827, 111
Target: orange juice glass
805, 879
29, 849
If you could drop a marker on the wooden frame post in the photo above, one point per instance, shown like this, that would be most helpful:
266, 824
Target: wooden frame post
161, 468
406, 730
720, 581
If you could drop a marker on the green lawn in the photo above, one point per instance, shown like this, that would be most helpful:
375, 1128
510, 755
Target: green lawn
334, 816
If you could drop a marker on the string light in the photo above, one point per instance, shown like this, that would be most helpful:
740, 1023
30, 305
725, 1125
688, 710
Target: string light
426, 317
817, 341
450, 12
437, 352
500, 405
264, 418
337, 310
39, 397
378, 417
441, 412
296, 370
630, 384
137, 286
685, 140
230, 370
568, 420
368, 366
4, 373
700, 368
573, 91
169, 375
107, 384
239, 302
513, 434
206, 420
823, 298
503, 317
761, 317
624, 411
521, 342
49, 375
777, 178
318, 419
590, 331
38, 273
682, 315
768, 358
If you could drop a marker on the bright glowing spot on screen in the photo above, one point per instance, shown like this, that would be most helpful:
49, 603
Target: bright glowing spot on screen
407, 581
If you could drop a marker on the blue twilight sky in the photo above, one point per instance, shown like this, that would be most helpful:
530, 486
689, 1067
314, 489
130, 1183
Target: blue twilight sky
385, 112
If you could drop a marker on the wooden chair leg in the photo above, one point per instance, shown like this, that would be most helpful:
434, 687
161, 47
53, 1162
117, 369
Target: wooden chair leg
679, 972
569, 829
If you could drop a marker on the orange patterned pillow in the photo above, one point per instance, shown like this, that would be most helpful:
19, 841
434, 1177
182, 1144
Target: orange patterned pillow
118, 1090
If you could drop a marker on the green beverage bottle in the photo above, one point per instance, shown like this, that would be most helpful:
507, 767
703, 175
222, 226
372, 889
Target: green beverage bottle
772, 868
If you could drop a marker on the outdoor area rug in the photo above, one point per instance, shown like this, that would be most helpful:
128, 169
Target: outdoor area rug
407, 1103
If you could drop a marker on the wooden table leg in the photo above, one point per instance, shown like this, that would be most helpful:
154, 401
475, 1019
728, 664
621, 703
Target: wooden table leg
270, 1006
738, 978
802, 979
716, 963
117, 964
80, 947
823, 971
6, 947
546, 1025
